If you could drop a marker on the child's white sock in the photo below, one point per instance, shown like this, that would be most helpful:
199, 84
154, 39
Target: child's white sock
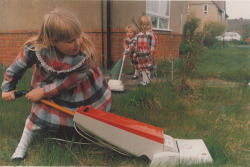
136, 72
145, 77
23, 144
26, 138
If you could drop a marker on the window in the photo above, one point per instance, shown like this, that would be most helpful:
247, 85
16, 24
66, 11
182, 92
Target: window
159, 13
205, 8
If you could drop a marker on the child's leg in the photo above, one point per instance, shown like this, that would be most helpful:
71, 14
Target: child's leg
145, 77
136, 66
24, 142
136, 74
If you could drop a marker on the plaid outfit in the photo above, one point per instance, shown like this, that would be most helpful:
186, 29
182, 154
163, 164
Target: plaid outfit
130, 46
146, 55
70, 82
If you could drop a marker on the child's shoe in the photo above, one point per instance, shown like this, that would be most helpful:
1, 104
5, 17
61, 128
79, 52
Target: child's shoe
19, 154
135, 77
136, 74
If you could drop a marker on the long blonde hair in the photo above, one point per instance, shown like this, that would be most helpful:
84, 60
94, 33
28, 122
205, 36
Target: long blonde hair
145, 20
62, 25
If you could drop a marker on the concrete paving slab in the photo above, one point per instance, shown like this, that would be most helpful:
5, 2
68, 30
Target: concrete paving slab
129, 83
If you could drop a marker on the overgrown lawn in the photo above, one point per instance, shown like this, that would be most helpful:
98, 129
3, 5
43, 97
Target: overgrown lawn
217, 114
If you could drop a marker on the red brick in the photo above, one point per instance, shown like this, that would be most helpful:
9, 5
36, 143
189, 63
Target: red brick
11, 44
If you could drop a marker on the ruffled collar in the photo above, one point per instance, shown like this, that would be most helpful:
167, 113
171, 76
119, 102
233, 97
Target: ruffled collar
65, 64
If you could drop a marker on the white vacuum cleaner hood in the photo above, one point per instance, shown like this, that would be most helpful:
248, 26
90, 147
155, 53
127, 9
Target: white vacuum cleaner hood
183, 152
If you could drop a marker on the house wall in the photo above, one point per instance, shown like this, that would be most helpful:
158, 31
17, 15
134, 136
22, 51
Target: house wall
196, 8
178, 15
21, 19
236, 25
121, 13
28, 14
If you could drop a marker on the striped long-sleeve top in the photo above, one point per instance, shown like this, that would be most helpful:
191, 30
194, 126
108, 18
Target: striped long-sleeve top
70, 82
130, 45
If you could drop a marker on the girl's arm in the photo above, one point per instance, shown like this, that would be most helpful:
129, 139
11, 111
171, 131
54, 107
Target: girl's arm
152, 40
58, 86
125, 44
13, 74
35, 95
8, 96
131, 46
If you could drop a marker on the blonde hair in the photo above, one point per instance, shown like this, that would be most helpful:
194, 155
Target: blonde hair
62, 25
145, 20
130, 27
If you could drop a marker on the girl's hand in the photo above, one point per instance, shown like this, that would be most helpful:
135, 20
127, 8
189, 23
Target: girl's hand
8, 96
35, 95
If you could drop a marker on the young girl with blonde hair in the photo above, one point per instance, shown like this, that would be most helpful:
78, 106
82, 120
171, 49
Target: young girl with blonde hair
130, 45
64, 73
146, 48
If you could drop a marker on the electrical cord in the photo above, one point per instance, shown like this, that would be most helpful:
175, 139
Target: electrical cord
67, 141
94, 139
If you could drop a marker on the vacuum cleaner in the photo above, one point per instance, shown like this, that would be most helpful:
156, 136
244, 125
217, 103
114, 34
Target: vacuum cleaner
115, 83
133, 138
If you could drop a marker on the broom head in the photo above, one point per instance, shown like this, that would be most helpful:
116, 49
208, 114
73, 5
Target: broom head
115, 71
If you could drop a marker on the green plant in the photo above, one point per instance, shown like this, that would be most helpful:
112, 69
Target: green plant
212, 29
209, 41
191, 26
192, 51
246, 31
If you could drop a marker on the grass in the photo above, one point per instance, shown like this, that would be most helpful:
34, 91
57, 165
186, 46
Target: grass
231, 64
219, 115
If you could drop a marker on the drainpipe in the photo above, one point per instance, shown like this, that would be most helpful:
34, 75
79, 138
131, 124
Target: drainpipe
109, 61
102, 34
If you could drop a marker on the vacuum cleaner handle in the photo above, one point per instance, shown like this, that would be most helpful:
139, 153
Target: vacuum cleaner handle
56, 106
20, 93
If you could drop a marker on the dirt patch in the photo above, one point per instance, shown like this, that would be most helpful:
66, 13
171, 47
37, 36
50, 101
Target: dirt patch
131, 84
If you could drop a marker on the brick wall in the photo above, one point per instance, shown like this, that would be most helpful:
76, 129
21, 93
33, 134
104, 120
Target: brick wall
11, 43
168, 44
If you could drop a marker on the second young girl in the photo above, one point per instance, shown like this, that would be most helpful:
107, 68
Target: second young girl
130, 44
146, 48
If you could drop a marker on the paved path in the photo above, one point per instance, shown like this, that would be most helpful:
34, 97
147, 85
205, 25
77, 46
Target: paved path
128, 82
131, 84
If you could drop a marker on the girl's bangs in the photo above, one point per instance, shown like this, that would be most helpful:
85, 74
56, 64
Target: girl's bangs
67, 32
